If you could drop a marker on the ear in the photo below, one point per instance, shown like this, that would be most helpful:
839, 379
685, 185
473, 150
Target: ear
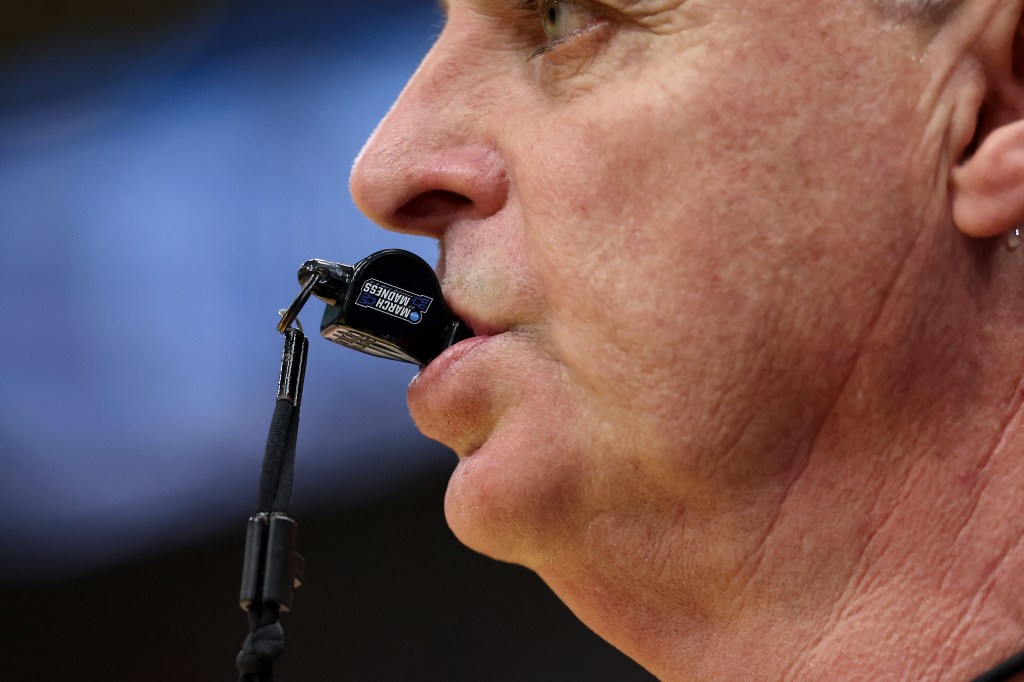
987, 187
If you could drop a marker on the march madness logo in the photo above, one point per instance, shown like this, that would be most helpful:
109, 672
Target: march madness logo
396, 302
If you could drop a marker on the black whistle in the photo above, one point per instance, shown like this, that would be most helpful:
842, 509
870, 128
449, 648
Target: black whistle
389, 304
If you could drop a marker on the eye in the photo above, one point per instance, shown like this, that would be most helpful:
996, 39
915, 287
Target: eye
561, 18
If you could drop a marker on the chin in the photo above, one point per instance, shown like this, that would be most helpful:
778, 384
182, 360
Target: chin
516, 499
510, 412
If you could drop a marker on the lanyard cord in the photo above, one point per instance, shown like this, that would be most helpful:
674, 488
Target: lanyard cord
272, 568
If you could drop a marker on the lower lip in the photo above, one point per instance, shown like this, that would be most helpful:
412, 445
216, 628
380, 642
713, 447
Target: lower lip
445, 397
452, 356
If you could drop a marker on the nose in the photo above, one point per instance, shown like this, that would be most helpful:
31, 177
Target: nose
433, 161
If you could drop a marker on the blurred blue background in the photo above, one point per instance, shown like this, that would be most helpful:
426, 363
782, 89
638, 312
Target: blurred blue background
160, 182
165, 167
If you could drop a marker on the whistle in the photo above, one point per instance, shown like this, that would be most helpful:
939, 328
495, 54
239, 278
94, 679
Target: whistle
389, 305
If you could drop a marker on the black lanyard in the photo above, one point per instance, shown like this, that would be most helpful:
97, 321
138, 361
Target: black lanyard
272, 567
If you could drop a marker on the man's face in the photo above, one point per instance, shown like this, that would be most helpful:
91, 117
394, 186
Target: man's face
672, 230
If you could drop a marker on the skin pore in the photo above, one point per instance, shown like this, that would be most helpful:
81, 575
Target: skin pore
742, 393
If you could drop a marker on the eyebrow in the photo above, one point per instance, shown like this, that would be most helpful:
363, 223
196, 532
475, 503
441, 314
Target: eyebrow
443, 6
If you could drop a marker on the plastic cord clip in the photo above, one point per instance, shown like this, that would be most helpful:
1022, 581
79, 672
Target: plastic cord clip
272, 569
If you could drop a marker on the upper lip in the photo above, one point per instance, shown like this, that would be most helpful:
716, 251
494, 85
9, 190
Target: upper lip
478, 325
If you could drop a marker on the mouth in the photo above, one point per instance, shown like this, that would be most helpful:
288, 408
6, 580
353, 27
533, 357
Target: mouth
453, 399
477, 325
481, 330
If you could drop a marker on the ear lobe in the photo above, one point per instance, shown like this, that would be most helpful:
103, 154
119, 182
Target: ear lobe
988, 188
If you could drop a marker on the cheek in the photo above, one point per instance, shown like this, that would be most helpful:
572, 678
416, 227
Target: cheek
628, 217
687, 241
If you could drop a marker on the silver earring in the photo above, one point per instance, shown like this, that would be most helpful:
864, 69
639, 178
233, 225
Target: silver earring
1015, 238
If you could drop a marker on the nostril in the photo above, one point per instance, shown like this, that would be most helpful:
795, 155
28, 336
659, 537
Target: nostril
438, 203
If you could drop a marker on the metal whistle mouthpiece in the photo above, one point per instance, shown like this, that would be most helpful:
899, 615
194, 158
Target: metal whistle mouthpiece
389, 304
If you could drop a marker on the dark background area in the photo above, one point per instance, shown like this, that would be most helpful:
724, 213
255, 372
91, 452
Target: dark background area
389, 595
211, 140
